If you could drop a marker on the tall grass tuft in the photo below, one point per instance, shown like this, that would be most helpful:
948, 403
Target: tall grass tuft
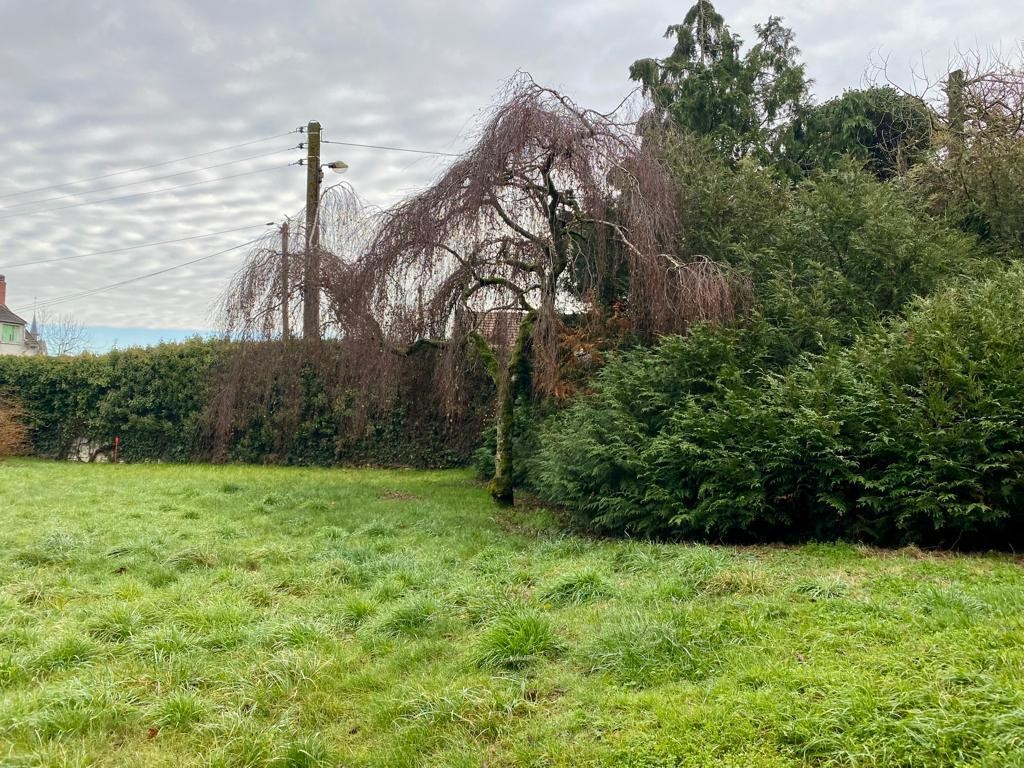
415, 616
577, 589
640, 651
517, 639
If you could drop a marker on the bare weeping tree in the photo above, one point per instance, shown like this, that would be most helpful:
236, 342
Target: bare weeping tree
551, 196
264, 299
262, 309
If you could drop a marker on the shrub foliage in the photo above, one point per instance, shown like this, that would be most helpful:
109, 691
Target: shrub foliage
912, 434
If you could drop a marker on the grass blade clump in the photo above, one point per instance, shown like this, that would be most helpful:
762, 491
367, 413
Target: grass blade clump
117, 624
58, 548
181, 710
308, 752
634, 557
193, 557
67, 652
356, 611
577, 589
828, 588
517, 639
641, 651
411, 618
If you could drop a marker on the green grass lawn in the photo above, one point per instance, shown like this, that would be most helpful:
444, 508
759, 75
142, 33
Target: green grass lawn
244, 616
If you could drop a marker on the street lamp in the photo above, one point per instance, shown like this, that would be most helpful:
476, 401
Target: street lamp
338, 166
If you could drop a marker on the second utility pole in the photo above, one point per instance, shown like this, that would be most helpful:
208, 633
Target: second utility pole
311, 280
286, 332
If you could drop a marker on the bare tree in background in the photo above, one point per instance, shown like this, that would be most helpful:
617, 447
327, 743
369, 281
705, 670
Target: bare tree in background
550, 196
978, 140
270, 368
980, 95
63, 335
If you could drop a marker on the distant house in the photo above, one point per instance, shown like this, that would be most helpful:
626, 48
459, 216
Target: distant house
16, 338
500, 327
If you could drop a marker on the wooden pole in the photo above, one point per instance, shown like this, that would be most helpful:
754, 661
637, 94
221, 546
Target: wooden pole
311, 279
956, 112
285, 288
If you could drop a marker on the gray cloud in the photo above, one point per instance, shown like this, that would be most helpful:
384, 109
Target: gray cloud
94, 86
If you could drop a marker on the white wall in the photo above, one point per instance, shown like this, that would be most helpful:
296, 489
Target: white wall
15, 349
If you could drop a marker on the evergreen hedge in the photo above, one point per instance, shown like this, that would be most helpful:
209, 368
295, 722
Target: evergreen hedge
160, 402
914, 434
150, 398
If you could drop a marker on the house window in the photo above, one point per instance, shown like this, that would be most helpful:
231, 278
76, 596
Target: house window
11, 334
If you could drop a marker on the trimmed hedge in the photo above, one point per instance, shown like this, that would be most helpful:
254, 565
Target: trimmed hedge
150, 398
162, 403
913, 434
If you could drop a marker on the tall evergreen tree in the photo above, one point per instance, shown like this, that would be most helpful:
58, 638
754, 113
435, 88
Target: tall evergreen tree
743, 102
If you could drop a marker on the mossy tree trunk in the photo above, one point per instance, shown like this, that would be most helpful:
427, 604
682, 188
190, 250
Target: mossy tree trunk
509, 380
502, 486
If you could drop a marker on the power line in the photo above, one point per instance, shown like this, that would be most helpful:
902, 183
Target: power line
136, 247
135, 279
151, 179
143, 194
390, 149
147, 167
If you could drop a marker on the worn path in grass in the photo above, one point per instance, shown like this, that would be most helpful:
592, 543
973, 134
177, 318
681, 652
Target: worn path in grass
243, 616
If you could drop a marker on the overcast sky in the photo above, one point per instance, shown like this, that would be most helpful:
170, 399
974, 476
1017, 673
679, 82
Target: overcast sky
91, 87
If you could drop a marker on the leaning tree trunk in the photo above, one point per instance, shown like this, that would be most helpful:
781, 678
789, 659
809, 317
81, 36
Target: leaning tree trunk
508, 383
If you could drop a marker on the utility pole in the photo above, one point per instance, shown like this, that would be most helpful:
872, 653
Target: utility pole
311, 280
285, 288
956, 112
